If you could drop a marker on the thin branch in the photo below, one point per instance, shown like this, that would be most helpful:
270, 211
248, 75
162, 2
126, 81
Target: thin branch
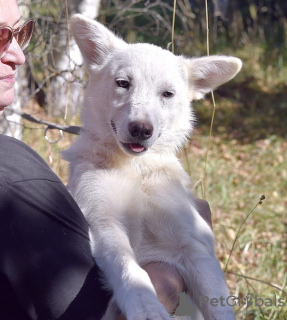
258, 280
70, 129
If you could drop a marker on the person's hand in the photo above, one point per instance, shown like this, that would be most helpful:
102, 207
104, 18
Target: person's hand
167, 281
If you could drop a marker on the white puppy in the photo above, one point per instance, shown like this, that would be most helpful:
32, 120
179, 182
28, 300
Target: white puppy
125, 175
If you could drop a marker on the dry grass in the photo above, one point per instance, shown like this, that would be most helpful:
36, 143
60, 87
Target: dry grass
33, 135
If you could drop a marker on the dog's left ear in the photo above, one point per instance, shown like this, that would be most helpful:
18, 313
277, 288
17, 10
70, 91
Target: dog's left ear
208, 73
95, 41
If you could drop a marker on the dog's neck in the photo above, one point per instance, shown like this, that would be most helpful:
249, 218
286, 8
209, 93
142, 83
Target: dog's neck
106, 154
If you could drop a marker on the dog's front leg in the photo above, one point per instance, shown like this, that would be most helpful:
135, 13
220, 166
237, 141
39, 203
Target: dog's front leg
189, 241
132, 288
112, 205
207, 285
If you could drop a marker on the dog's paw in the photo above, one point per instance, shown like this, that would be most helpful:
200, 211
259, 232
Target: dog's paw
145, 306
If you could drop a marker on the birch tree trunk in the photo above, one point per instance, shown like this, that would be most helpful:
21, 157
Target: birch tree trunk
66, 91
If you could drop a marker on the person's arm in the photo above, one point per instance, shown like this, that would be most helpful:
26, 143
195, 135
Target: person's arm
47, 270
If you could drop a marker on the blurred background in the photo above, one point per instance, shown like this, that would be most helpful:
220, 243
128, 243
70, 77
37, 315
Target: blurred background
247, 156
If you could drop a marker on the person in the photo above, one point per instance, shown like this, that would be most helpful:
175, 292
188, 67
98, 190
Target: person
47, 271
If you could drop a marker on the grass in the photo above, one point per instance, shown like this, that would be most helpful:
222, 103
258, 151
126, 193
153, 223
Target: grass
33, 135
237, 175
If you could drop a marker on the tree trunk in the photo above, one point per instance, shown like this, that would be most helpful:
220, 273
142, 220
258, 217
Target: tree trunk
66, 90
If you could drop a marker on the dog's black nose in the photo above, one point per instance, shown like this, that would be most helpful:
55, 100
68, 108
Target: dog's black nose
140, 130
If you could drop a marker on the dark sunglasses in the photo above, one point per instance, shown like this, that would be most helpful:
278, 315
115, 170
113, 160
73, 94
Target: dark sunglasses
22, 34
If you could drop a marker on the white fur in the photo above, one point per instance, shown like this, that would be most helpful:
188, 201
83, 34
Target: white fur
138, 205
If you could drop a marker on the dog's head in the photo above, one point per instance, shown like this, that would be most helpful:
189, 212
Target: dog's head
139, 94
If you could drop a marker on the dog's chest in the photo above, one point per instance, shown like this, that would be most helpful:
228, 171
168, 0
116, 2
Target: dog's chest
157, 183
157, 176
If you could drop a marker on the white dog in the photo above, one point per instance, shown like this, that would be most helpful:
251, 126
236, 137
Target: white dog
125, 175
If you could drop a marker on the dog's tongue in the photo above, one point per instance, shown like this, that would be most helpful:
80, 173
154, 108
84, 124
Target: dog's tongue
136, 147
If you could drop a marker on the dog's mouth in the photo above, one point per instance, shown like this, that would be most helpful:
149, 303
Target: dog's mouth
134, 148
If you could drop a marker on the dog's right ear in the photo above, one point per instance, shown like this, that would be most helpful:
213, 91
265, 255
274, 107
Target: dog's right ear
94, 40
208, 73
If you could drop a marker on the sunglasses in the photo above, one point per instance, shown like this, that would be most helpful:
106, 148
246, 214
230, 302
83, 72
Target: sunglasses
22, 35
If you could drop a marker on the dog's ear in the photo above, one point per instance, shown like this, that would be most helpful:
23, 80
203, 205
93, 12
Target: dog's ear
94, 40
208, 73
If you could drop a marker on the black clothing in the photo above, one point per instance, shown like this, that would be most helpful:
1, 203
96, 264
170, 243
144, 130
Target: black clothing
46, 268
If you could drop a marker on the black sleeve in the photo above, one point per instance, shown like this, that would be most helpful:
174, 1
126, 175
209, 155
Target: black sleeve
46, 267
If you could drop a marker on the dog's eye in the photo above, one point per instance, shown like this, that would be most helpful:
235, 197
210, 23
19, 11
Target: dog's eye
168, 94
123, 83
